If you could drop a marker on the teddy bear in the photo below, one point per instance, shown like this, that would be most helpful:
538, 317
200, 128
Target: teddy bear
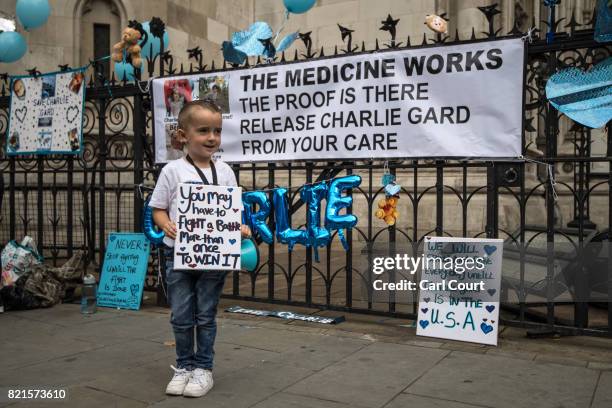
436, 23
129, 43
387, 210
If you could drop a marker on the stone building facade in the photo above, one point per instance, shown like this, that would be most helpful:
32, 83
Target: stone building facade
69, 37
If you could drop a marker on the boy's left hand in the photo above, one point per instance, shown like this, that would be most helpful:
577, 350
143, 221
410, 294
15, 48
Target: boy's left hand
245, 231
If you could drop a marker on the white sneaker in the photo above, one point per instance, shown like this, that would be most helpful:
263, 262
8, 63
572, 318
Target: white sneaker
179, 381
200, 383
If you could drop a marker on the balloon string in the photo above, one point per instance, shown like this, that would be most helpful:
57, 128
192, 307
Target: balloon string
282, 27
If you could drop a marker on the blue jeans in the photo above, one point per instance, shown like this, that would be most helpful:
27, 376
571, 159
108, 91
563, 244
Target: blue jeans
193, 298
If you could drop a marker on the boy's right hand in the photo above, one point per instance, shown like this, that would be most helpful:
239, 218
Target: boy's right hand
170, 229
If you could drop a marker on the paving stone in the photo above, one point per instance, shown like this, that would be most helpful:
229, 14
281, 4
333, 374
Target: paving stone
65, 315
409, 400
321, 352
506, 382
371, 376
286, 400
84, 366
84, 397
603, 394
244, 388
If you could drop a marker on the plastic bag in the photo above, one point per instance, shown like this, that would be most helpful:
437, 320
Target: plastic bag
18, 259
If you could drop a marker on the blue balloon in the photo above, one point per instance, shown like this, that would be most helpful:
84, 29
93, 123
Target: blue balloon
33, 13
312, 194
299, 6
284, 232
148, 226
152, 43
335, 202
124, 71
257, 221
249, 255
12, 46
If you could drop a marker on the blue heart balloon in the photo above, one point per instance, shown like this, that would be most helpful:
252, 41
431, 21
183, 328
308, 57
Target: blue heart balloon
33, 13
12, 46
248, 42
152, 46
299, 6
124, 71
585, 97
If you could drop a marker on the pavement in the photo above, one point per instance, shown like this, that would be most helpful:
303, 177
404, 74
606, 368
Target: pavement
118, 358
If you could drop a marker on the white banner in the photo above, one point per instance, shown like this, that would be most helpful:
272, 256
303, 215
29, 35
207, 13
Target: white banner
461, 100
208, 227
46, 113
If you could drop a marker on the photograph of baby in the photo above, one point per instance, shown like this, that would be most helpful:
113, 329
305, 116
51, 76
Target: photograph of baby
19, 89
73, 136
76, 82
216, 89
176, 93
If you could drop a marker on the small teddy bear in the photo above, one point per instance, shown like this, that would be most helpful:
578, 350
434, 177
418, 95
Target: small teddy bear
129, 42
387, 210
436, 23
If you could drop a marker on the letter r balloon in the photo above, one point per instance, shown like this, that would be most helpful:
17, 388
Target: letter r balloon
257, 220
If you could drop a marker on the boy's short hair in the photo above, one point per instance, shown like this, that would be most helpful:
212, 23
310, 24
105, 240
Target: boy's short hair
184, 116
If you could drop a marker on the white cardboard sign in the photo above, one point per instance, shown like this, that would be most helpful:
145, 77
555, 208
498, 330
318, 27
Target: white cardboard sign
208, 227
447, 312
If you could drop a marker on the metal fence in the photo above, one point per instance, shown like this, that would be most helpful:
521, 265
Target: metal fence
72, 203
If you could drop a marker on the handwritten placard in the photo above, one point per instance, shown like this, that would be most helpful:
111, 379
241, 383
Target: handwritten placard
460, 284
124, 270
208, 227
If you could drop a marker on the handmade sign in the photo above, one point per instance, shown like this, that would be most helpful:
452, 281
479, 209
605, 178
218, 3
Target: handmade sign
462, 278
208, 227
46, 114
124, 270
391, 104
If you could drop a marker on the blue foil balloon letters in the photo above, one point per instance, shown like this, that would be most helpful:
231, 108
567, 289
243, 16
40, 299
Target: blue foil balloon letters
257, 221
314, 235
154, 236
312, 195
336, 202
284, 232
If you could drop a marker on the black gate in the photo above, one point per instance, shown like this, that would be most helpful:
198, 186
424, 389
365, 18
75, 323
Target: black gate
70, 204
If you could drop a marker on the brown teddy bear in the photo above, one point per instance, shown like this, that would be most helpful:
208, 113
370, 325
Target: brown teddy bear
387, 210
129, 42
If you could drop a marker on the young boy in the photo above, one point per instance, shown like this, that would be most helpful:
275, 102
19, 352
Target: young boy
193, 295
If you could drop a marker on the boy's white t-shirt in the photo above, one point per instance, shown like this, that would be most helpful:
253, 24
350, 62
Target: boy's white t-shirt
181, 171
